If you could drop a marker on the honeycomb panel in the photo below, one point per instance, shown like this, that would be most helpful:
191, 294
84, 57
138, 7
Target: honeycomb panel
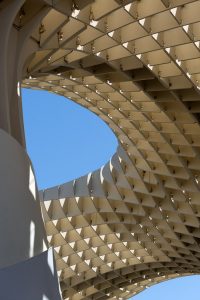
135, 64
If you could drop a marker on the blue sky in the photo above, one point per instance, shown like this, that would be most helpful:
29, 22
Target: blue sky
184, 288
65, 141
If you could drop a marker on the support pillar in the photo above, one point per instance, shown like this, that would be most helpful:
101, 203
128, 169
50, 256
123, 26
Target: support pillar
27, 268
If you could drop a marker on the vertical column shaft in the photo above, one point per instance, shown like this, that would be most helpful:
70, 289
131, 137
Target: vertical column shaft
25, 261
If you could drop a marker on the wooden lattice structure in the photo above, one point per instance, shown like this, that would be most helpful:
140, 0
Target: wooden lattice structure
135, 64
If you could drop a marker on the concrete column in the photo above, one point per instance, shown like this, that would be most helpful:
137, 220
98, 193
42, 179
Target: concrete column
14, 51
27, 268
23, 251
7, 16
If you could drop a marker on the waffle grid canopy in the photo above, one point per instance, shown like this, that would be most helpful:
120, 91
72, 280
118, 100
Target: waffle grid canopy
135, 64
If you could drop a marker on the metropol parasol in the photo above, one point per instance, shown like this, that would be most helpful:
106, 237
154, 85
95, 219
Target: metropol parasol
135, 221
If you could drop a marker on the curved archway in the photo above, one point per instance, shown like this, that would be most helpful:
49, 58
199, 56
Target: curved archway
147, 93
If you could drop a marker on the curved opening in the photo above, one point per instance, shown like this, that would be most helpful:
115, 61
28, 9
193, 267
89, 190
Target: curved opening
63, 139
183, 288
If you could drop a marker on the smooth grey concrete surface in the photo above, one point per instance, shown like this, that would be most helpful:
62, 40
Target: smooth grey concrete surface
22, 231
34, 279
